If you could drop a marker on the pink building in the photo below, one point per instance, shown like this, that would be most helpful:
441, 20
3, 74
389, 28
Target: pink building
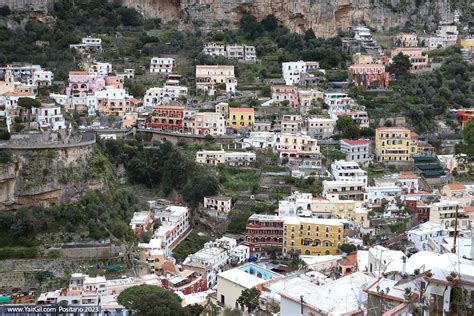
280, 94
115, 82
417, 59
81, 81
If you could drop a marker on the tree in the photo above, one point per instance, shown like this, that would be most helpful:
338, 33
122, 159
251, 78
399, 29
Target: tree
28, 104
468, 137
269, 23
348, 248
150, 300
250, 26
347, 128
249, 298
400, 65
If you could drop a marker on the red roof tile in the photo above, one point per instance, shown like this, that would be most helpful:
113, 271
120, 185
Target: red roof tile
355, 141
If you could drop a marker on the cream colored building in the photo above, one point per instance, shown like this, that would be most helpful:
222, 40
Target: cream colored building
209, 76
294, 146
307, 99
216, 157
320, 127
406, 40
291, 123
209, 123
444, 213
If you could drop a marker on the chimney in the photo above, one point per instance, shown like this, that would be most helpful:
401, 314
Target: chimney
404, 266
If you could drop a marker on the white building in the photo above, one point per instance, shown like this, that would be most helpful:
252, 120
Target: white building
338, 103
292, 70
175, 223
421, 235
162, 65
164, 95
344, 296
342, 190
378, 193
348, 171
42, 78
231, 283
362, 33
433, 42
88, 43
49, 116
449, 34
240, 254
222, 204
99, 69
216, 157
408, 181
297, 204
241, 53
380, 257
214, 49
356, 150
209, 261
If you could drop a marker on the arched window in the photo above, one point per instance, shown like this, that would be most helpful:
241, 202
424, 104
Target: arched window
307, 252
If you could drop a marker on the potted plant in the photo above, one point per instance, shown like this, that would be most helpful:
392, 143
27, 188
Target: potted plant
407, 293
452, 276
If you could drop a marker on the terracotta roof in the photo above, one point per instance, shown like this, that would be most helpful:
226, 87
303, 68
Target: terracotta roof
392, 128
214, 66
355, 141
469, 209
350, 260
456, 186
413, 134
17, 94
241, 110
78, 73
407, 175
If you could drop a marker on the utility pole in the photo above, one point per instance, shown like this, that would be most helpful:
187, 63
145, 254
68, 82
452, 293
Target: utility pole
455, 228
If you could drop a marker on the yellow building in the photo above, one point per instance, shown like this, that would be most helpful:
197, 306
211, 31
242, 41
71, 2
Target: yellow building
467, 42
395, 144
337, 208
241, 117
362, 59
312, 236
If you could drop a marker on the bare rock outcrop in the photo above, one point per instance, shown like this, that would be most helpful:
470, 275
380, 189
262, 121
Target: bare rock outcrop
325, 17
47, 177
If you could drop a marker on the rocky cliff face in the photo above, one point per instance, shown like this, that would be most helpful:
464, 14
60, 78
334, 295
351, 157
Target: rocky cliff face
46, 177
325, 17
